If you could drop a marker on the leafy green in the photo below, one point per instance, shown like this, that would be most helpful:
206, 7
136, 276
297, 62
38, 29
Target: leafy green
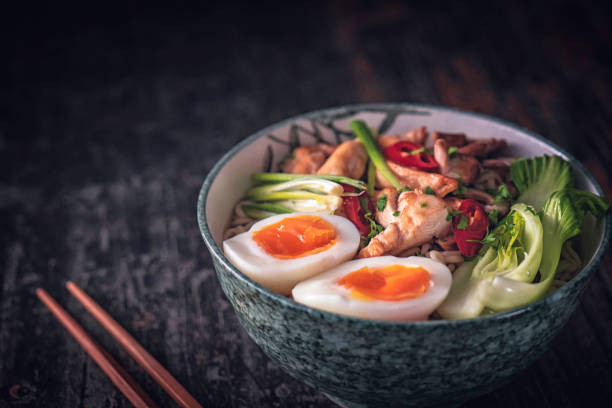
423, 205
502, 195
451, 151
515, 250
429, 190
537, 178
403, 189
396, 214
561, 217
493, 217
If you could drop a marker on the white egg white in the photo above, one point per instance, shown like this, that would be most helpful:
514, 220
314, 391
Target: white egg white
323, 291
281, 275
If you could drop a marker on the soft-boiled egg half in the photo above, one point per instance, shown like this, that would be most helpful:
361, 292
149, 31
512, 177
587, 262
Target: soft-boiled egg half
384, 288
282, 250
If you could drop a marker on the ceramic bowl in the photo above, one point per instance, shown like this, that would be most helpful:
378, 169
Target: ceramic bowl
360, 362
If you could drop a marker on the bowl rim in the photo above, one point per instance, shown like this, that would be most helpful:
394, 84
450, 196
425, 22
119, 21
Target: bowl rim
217, 252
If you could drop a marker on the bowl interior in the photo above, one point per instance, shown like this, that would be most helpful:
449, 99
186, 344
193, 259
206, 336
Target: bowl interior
264, 150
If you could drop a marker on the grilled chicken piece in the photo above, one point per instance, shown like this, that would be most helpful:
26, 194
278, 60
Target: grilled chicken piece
408, 176
482, 147
386, 216
418, 135
349, 160
451, 139
422, 217
307, 159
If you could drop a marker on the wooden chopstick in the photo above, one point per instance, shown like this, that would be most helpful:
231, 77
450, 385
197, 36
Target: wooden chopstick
142, 356
113, 370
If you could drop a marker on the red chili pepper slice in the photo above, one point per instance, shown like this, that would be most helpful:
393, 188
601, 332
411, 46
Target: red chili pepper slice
402, 154
475, 230
354, 211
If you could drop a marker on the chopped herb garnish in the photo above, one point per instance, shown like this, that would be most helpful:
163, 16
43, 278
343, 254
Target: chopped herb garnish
375, 228
463, 223
502, 194
461, 189
382, 202
452, 150
489, 239
417, 151
493, 217
396, 214
428, 190
452, 214
423, 205
405, 188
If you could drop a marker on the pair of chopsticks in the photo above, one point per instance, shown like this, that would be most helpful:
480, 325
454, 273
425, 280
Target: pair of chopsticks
126, 384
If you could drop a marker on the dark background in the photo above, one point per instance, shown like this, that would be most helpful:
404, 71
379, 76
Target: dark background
112, 114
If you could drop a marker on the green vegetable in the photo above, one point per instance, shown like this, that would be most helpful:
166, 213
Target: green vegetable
305, 184
461, 189
375, 228
451, 214
281, 177
417, 151
502, 194
305, 194
537, 178
371, 175
562, 217
363, 134
493, 217
451, 151
515, 250
396, 214
462, 301
423, 205
403, 189
428, 190
263, 210
463, 222
382, 202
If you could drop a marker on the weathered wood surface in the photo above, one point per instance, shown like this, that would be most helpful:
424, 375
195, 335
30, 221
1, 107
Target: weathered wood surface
110, 119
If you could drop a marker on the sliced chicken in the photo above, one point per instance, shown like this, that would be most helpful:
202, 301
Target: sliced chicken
386, 216
413, 178
451, 139
349, 160
482, 147
422, 218
418, 136
307, 159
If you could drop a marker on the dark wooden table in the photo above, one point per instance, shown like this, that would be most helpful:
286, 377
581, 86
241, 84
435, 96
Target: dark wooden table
110, 118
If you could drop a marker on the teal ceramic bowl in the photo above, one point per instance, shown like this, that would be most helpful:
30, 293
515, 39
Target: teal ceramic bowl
360, 362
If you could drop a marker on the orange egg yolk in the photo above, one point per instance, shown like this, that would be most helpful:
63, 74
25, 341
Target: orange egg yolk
390, 283
296, 237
